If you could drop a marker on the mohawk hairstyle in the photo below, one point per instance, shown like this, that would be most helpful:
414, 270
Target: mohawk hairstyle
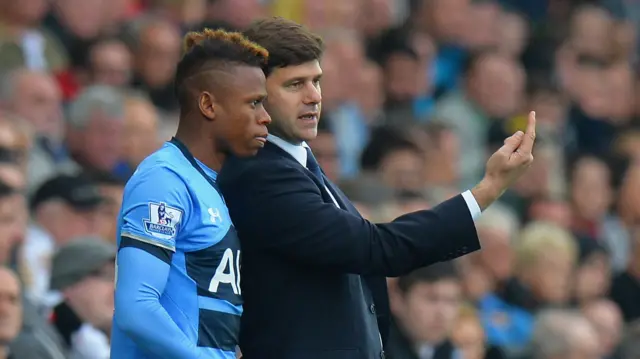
288, 42
211, 49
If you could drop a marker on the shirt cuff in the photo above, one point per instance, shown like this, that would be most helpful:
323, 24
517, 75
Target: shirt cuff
472, 204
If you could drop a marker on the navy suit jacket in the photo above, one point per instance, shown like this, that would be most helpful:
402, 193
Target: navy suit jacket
308, 266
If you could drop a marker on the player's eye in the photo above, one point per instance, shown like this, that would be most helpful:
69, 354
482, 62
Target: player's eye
296, 84
257, 102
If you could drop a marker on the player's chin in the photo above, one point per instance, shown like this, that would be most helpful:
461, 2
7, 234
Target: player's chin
308, 133
250, 149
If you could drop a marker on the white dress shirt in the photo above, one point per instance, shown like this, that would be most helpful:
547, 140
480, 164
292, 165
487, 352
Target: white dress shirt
300, 154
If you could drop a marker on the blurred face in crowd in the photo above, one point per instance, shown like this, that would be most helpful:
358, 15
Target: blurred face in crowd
140, 131
158, 53
27, 12
64, 222
370, 94
468, 336
593, 277
376, 16
591, 31
186, 12
15, 144
606, 319
427, 311
294, 101
111, 63
84, 18
483, 25
496, 84
10, 306
325, 150
591, 190
496, 255
513, 35
402, 169
13, 218
405, 78
239, 13
92, 297
552, 211
38, 100
444, 19
476, 280
98, 144
550, 277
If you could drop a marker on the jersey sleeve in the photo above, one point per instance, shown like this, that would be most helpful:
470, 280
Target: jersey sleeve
155, 207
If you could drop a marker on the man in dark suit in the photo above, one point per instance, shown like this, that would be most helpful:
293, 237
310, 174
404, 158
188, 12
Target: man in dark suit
313, 270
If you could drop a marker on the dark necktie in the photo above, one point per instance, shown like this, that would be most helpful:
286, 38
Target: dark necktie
313, 165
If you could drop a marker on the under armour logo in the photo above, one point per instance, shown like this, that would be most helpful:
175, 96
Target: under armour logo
215, 215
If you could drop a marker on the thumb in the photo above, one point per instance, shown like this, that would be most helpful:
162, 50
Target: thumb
511, 143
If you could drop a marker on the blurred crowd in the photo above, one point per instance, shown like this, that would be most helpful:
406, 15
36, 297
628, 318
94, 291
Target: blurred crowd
416, 94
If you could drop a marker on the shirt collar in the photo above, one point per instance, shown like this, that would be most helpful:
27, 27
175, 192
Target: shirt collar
297, 151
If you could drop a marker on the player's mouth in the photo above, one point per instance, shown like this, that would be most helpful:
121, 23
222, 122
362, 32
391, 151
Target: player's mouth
262, 140
309, 117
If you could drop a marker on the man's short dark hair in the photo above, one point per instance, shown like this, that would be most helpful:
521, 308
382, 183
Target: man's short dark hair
213, 50
288, 42
431, 274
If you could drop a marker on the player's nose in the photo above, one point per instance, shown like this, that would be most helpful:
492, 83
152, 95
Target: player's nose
263, 117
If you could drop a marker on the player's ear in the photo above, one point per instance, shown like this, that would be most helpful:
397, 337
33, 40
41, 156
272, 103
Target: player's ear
206, 102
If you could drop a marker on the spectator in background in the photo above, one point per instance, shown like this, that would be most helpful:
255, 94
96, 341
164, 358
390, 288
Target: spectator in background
487, 272
95, 128
34, 97
141, 134
110, 63
391, 155
606, 319
63, 208
563, 334
156, 51
425, 305
83, 271
545, 255
493, 88
513, 35
592, 279
15, 145
10, 311
469, 336
23, 43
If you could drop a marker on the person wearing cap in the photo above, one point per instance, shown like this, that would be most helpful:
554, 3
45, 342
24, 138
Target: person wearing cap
63, 208
83, 271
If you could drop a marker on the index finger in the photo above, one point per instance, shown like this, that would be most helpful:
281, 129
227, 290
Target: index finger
530, 134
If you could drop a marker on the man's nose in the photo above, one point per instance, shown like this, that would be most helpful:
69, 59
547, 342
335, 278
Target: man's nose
314, 96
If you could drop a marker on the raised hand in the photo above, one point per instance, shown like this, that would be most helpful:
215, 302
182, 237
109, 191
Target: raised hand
507, 164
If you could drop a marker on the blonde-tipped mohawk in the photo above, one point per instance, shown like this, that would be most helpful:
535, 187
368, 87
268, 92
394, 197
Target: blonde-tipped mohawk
196, 38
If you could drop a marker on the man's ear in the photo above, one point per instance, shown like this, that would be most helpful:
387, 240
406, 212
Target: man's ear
206, 102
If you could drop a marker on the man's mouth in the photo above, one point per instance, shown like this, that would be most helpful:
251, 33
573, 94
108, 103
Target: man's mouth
309, 116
